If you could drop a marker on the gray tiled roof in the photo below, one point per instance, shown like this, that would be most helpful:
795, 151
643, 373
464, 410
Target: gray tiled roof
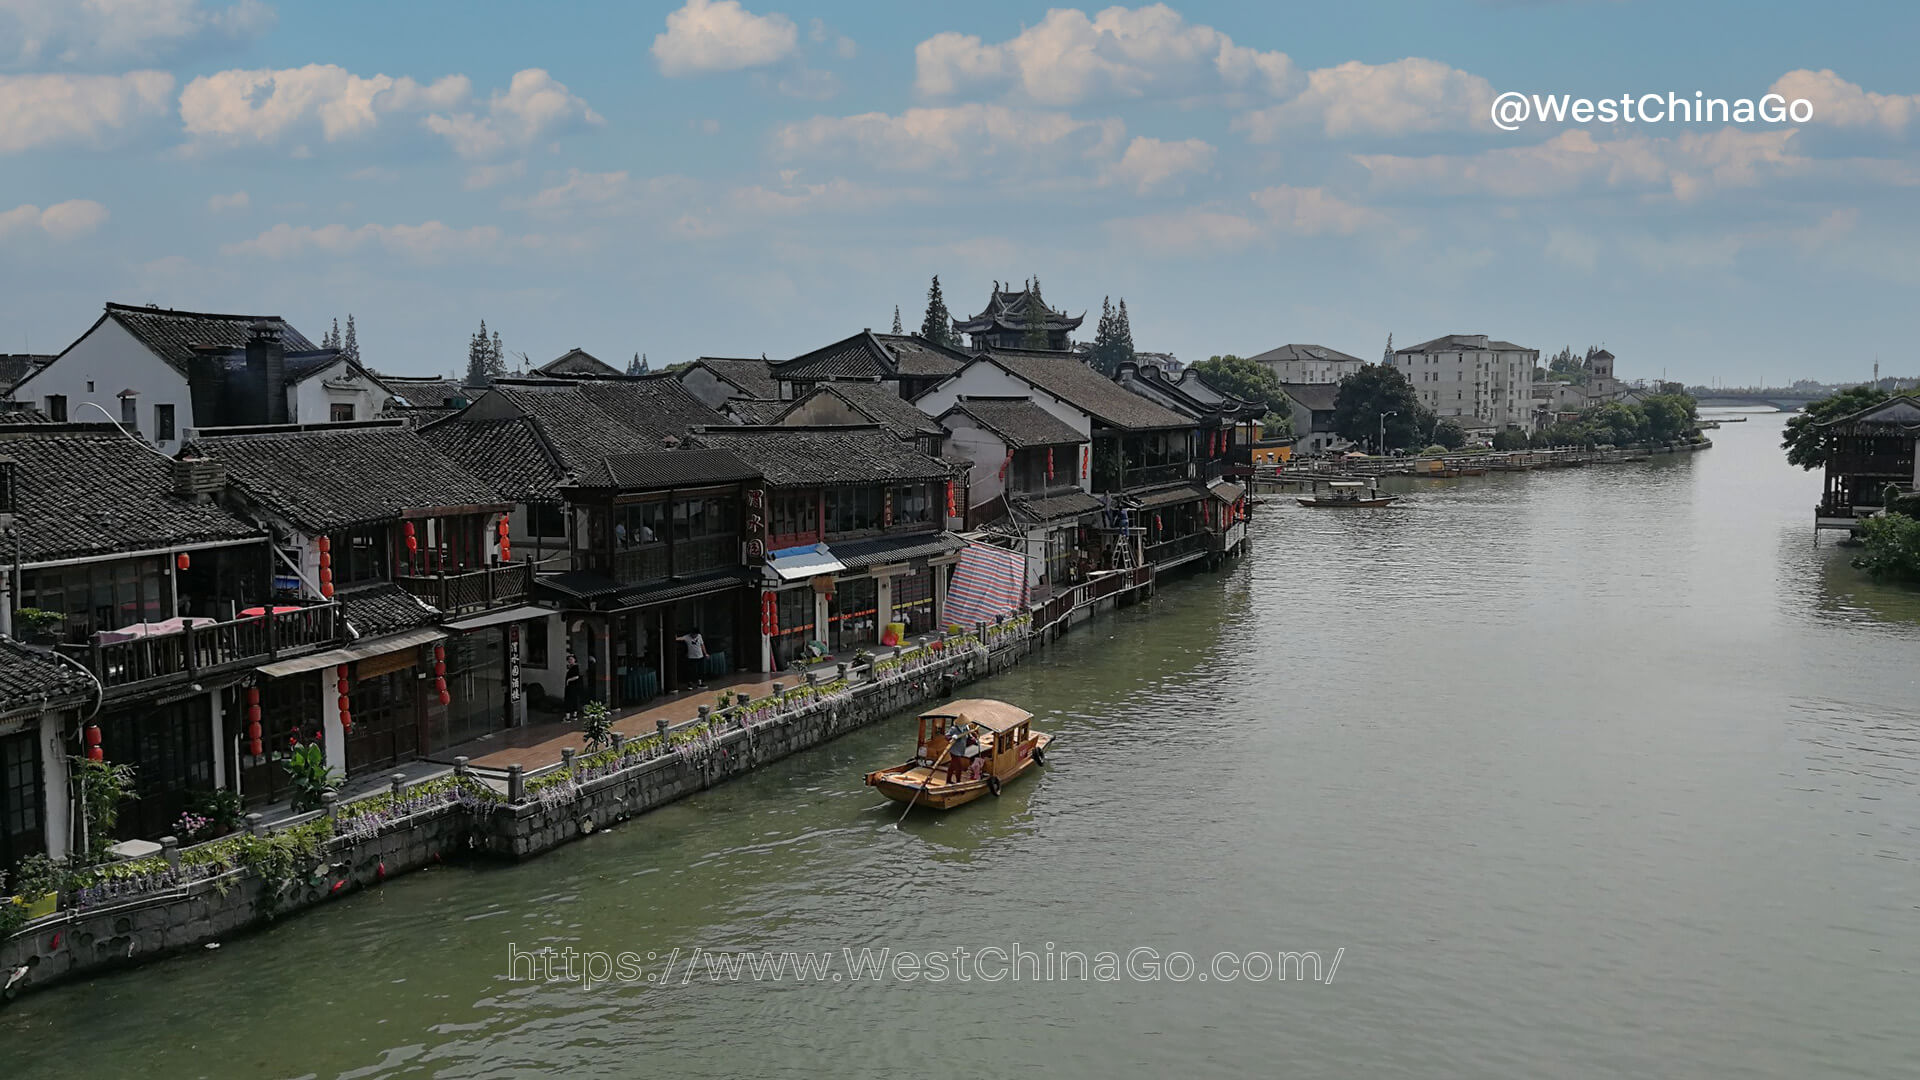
334, 478
1007, 310
754, 378
1319, 397
1317, 353
880, 550
174, 335
666, 469
88, 489
507, 453
1018, 421
881, 403
858, 357
805, 456
1458, 342
917, 357
432, 392
31, 679
1066, 376
385, 609
1072, 504
577, 362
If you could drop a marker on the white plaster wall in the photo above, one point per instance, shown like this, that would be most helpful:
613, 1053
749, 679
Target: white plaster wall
983, 379
111, 360
309, 401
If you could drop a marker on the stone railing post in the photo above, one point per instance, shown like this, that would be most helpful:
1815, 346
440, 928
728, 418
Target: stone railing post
619, 742
660, 727
706, 713
256, 825
777, 687
397, 783
516, 783
170, 851
460, 765
843, 669
566, 757
330, 802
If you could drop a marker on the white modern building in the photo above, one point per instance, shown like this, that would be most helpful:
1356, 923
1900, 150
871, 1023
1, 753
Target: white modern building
1308, 364
1472, 377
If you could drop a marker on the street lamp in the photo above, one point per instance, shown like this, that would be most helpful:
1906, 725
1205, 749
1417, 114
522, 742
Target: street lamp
1382, 445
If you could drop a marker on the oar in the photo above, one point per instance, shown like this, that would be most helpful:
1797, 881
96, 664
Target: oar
924, 783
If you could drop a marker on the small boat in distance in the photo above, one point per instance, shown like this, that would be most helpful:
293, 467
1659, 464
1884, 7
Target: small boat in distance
1345, 494
967, 748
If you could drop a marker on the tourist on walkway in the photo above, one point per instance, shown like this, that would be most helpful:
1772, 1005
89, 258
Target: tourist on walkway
696, 659
575, 687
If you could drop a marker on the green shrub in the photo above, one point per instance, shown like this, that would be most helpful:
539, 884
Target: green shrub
1892, 548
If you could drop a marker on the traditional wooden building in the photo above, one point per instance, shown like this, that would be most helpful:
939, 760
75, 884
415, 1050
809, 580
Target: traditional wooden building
847, 531
658, 555
129, 568
1019, 319
415, 550
1028, 476
1867, 452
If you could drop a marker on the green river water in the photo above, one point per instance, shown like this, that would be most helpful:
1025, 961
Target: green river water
1597, 772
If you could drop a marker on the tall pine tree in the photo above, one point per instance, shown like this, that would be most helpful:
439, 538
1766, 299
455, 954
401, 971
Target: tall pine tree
350, 347
938, 325
896, 318
1106, 339
331, 339
1386, 357
479, 358
1123, 332
496, 358
633, 366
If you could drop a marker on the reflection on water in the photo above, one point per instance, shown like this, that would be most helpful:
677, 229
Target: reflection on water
1607, 771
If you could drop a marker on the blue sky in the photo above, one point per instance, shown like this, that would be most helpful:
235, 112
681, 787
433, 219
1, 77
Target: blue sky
733, 178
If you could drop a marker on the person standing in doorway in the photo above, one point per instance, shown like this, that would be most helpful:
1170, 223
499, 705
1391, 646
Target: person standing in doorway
696, 658
576, 686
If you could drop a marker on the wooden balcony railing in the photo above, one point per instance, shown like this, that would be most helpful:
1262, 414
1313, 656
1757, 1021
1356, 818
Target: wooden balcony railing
472, 590
1177, 549
1157, 474
654, 562
209, 648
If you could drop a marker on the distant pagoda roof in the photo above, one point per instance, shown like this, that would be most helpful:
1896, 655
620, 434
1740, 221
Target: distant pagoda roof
1007, 311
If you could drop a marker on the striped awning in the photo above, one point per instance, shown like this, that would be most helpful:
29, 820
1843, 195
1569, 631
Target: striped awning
987, 582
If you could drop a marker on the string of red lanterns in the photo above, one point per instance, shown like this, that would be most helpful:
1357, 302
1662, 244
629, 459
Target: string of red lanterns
440, 674
506, 541
94, 751
343, 685
254, 745
325, 544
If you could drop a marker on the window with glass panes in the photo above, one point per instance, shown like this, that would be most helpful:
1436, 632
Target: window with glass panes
795, 517
913, 600
855, 509
794, 610
359, 555
100, 596
21, 795
1060, 555
913, 505
855, 613
706, 533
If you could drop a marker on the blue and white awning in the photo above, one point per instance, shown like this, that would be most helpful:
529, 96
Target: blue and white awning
794, 563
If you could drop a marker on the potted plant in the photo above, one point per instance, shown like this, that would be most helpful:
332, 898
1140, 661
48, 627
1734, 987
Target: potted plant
222, 810
306, 767
36, 886
597, 719
39, 627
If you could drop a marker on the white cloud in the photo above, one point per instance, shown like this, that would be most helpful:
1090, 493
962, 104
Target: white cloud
424, 242
534, 106
955, 139
47, 110
609, 194
1839, 103
236, 201
61, 221
96, 33
1152, 165
261, 105
720, 35
1312, 212
1198, 231
1686, 166
1401, 98
481, 177
810, 84
1069, 57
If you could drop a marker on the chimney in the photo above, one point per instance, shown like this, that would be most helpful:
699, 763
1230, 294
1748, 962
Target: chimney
207, 389
197, 478
266, 376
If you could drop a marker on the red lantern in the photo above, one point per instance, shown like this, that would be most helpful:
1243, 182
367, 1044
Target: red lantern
253, 730
326, 561
440, 684
439, 669
326, 590
950, 511
1086, 460
324, 544
1049, 462
93, 735
94, 753
346, 722
343, 686
182, 561
253, 695
255, 747
344, 705
446, 698
439, 653
340, 671
503, 524
413, 544
407, 527
506, 550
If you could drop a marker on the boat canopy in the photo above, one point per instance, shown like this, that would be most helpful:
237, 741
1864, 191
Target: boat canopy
1346, 484
995, 716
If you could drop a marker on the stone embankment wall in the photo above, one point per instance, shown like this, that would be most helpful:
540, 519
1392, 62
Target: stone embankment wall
183, 903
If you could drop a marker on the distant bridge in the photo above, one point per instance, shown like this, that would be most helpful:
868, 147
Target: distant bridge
1783, 400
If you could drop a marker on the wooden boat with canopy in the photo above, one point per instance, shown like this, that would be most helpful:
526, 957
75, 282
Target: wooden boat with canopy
1346, 493
967, 748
